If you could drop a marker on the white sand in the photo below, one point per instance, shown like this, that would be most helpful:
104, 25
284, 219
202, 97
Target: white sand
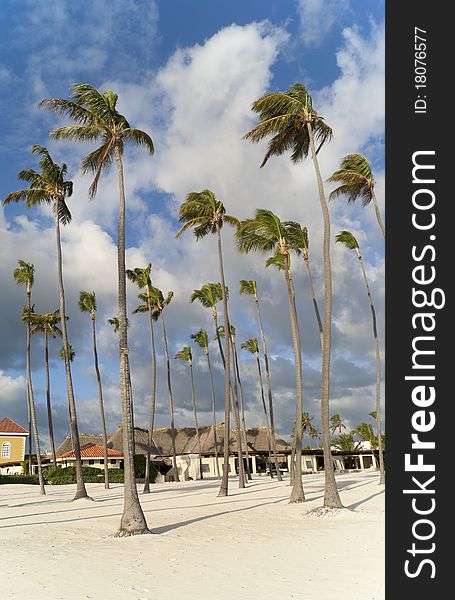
250, 545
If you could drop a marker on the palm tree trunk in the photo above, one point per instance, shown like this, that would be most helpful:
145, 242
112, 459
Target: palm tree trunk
242, 410
29, 420
267, 424
133, 520
101, 403
81, 491
227, 384
152, 409
171, 399
331, 496
193, 400
269, 387
297, 494
212, 387
238, 428
378, 373
378, 214
32, 399
315, 301
48, 399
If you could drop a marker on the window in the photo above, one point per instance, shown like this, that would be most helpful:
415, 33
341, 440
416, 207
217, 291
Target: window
6, 450
206, 468
102, 461
113, 461
91, 462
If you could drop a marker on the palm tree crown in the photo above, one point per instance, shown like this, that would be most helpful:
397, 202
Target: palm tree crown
248, 287
208, 295
97, 120
87, 302
356, 179
205, 213
140, 276
46, 323
265, 232
250, 345
285, 116
185, 354
201, 338
24, 274
347, 239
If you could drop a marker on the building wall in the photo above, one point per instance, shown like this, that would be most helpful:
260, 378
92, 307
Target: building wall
17, 447
65, 462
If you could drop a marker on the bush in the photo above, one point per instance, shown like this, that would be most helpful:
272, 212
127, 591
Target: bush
68, 475
32, 479
116, 476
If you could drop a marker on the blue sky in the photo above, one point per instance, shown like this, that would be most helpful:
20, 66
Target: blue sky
187, 72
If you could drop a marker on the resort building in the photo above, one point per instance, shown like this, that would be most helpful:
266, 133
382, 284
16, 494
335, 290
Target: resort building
12, 446
92, 455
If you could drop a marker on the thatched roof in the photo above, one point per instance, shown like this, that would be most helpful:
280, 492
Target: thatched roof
186, 440
84, 438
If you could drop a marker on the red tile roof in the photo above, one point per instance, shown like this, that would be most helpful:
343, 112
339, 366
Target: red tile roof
7, 425
92, 451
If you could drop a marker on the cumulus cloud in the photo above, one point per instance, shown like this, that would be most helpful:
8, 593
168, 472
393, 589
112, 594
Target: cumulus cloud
319, 17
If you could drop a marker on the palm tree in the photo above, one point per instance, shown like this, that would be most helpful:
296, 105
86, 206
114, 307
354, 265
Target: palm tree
349, 241
25, 275
252, 347
97, 120
202, 339
159, 303
46, 324
266, 233
346, 443
50, 187
209, 295
71, 352
205, 214
336, 424
141, 277
87, 304
356, 181
299, 242
186, 354
365, 432
308, 427
295, 125
249, 287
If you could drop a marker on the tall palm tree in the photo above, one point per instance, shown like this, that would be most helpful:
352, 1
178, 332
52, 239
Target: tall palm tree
249, 287
202, 339
25, 275
290, 118
252, 347
266, 233
50, 187
141, 277
87, 304
347, 239
47, 325
308, 426
336, 424
186, 355
356, 181
209, 295
159, 303
205, 214
300, 243
97, 119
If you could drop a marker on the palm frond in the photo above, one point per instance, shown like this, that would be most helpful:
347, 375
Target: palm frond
347, 239
140, 138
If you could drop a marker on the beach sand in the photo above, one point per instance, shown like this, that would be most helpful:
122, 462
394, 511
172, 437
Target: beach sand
249, 545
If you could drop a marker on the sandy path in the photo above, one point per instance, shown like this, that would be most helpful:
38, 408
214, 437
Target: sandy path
250, 545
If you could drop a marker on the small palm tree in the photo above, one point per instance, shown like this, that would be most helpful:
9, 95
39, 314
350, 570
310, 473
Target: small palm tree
356, 181
336, 424
186, 355
202, 339
71, 353
347, 239
365, 432
308, 426
50, 186
97, 119
346, 443
47, 325
202, 212
267, 233
87, 304
209, 295
159, 303
141, 277
294, 124
249, 287
252, 347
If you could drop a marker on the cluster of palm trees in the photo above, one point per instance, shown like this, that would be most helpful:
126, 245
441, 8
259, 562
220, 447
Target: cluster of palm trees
291, 123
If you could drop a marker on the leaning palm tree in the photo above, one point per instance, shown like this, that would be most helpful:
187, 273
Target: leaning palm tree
141, 277
47, 325
159, 303
209, 295
50, 187
347, 239
249, 287
266, 233
346, 443
252, 347
336, 424
299, 242
308, 427
202, 339
97, 119
356, 181
290, 118
24, 275
205, 214
87, 304
365, 432
186, 355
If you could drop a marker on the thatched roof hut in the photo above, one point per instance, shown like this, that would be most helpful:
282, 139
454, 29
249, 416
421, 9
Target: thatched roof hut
84, 439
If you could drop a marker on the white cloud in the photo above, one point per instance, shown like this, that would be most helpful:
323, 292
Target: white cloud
319, 17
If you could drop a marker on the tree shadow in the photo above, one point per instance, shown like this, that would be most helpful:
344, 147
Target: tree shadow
357, 504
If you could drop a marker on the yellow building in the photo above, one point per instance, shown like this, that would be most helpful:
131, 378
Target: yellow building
12, 441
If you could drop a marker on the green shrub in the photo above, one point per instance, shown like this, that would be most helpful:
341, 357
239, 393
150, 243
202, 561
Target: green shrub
32, 479
68, 475
116, 476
